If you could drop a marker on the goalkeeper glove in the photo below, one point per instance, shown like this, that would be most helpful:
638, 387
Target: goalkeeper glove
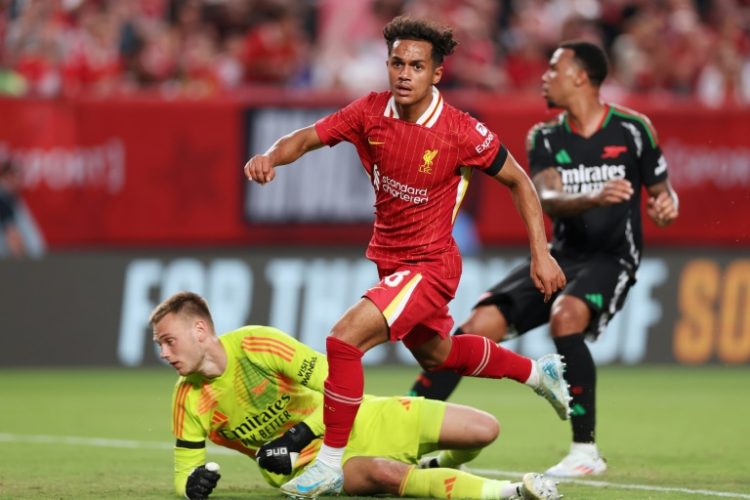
202, 481
280, 454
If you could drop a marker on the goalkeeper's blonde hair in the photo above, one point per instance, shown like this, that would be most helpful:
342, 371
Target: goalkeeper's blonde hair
188, 303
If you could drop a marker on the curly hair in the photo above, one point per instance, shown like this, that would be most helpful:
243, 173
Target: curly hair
407, 28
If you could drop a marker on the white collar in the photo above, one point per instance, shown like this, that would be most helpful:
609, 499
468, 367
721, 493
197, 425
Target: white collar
430, 115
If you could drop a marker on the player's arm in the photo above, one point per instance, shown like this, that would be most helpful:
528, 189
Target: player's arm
663, 204
194, 478
191, 477
557, 203
545, 272
287, 149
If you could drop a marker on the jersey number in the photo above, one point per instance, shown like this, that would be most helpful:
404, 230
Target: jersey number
396, 278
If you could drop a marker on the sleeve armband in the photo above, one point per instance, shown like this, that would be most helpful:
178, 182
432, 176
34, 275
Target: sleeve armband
190, 444
498, 162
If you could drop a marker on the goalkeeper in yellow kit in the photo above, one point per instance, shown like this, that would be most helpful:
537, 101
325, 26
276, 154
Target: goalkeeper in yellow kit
259, 391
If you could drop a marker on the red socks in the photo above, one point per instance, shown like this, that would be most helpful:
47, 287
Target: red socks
343, 391
477, 356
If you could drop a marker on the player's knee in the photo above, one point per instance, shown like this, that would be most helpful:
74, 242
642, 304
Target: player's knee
483, 429
387, 473
566, 320
431, 356
486, 321
370, 476
431, 363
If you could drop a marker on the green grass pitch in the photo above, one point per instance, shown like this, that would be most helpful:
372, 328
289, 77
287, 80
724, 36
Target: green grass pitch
667, 432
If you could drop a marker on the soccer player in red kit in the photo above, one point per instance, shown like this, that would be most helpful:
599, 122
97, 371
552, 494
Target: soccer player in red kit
420, 153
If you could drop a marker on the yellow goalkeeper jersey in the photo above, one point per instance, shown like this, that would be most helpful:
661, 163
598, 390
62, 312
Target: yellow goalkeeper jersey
271, 383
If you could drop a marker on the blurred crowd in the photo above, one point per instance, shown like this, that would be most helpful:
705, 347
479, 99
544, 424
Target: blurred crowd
48, 48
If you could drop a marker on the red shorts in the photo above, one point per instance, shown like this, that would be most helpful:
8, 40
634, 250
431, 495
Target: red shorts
414, 300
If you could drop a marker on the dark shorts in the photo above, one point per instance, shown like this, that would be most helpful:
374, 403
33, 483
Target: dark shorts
602, 282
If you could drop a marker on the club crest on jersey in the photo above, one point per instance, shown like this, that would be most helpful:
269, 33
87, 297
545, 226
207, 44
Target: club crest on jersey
427, 158
613, 151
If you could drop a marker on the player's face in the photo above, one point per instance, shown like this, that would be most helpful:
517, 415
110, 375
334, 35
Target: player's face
411, 74
559, 82
178, 343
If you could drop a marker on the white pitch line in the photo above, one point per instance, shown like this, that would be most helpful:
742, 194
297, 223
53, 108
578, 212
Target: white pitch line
157, 445
622, 486
101, 442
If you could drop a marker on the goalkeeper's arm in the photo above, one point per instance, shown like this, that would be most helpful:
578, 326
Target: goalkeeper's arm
202, 481
279, 455
193, 479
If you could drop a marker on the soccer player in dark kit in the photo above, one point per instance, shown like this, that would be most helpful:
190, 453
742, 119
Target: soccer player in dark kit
589, 165
420, 153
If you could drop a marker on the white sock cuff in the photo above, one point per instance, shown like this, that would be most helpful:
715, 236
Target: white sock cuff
330, 456
493, 488
588, 448
533, 379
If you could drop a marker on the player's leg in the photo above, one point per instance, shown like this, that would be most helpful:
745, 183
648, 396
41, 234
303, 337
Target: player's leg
466, 354
596, 292
358, 330
366, 476
517, 299
514, 302
464, 432
476, 356
402, 430
485, 321
570, 318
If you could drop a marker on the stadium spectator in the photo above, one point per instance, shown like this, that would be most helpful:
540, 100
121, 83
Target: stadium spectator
19, 234
259, 391
92, 64
349, 47
589, 165
33, 49
725, 79
415, 182
276, 50
663, 48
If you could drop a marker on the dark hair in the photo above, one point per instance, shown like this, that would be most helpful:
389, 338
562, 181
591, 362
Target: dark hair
188, 303
407, 28
591, 58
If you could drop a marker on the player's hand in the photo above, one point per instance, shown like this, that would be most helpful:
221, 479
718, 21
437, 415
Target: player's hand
547, 275
662, 209
280, 454
202, 481
614, 191
260, 169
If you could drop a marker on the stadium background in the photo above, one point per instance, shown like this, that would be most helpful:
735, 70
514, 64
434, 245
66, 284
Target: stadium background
130, 121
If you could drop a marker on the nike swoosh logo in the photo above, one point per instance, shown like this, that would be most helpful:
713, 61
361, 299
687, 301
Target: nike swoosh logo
305, 489
374, 143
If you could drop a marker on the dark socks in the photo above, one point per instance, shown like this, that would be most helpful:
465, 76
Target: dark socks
580, 373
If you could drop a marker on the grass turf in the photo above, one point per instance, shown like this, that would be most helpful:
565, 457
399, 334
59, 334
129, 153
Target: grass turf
661, 427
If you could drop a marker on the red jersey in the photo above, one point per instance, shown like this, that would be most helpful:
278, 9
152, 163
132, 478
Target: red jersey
420, 171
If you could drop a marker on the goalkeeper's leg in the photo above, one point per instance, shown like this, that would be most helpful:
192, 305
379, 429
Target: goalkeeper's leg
464, 432
366, 476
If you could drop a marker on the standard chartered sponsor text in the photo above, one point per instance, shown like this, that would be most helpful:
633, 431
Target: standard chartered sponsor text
405, 192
